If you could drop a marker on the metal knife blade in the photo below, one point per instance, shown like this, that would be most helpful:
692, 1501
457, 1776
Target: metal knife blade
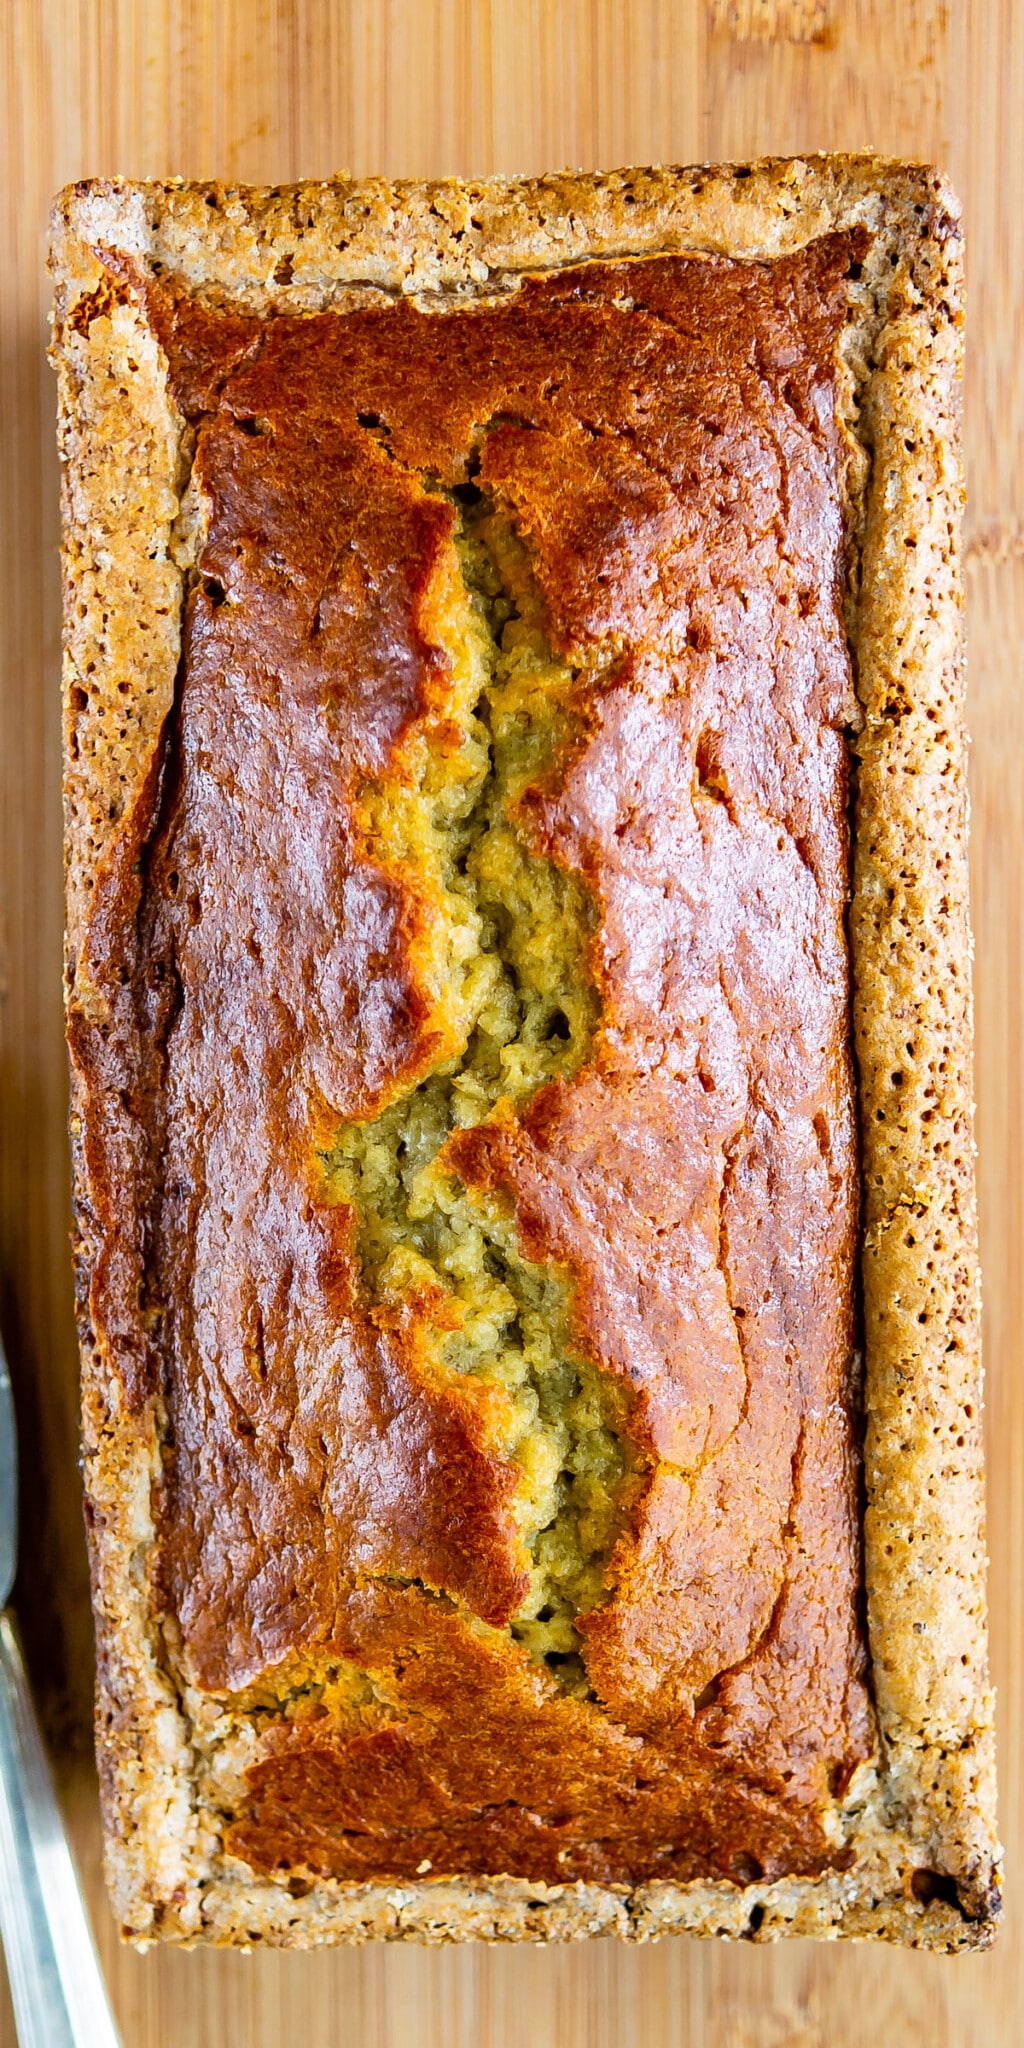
57, 1988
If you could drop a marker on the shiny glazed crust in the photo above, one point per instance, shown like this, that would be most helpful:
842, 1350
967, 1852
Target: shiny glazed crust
919, 1826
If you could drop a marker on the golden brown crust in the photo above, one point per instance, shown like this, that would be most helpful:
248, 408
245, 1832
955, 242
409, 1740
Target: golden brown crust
721, 1065
929, 1808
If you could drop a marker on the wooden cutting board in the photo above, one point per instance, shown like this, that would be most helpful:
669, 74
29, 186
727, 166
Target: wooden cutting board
267, 90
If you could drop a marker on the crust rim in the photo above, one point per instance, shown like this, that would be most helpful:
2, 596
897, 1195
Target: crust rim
930, 1806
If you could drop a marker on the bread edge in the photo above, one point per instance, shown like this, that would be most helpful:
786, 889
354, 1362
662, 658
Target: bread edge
930, 1805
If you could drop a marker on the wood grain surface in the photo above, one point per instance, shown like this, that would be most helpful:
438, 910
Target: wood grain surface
269, 90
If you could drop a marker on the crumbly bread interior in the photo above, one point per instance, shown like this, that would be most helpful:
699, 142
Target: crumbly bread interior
509, 961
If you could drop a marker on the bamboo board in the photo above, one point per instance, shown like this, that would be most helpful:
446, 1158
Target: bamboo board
269, 90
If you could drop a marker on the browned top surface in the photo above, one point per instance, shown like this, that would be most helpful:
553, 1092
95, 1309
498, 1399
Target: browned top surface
664, 435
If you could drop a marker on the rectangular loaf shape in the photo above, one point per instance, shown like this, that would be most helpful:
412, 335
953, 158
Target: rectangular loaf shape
516, 1330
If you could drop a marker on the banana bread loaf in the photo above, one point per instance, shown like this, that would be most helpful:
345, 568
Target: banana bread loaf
476, 599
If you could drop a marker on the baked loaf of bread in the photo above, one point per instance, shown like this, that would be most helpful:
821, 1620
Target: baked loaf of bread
514, 1334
